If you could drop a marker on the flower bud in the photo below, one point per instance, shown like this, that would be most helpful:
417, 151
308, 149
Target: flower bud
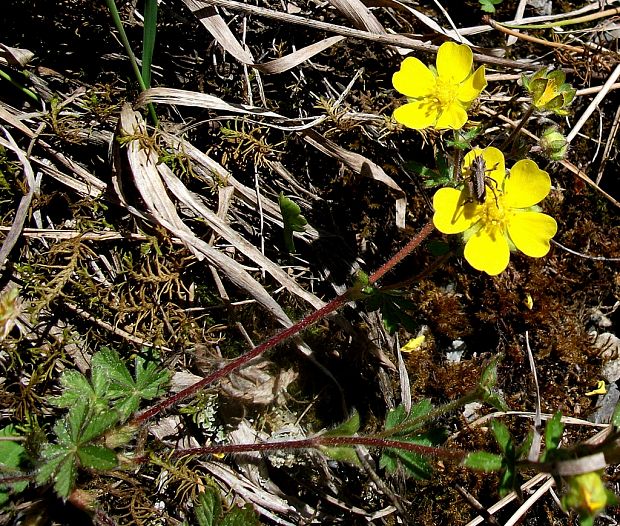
549, 92
587, 494
553, 144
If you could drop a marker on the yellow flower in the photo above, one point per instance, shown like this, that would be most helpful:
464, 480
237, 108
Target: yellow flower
438, 98
505, 218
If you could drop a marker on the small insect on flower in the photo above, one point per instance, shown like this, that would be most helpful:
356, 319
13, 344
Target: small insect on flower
478, 180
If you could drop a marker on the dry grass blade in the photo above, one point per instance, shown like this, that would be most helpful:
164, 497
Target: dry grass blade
12, 56
24, 204
91, 184
359, 14
152, 190
218, 28
199, 100
215, 172
224, 230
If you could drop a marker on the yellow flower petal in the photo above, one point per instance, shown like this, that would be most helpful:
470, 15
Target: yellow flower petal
452, 214
531, 232
488, 250
527, 185
414, 79
493, 161
418, 114
413, 344
454, 61
472, 86
452, 117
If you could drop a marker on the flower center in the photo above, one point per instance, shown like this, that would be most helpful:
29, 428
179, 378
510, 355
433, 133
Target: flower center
445, 91
494, 213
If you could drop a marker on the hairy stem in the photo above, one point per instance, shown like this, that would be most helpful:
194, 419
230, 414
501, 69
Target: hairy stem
283, 335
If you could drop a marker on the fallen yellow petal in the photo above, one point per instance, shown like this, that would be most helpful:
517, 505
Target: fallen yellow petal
413, 344
600, 389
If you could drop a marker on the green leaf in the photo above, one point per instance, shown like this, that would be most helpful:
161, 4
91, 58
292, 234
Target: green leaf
97, 457
109, 367
503, 437
148, 39
483, 461
407, 422
414, 464
98, 425
209, 507
12, 458
553, 434
65, 476
347, 428
615, 418
292, 219
76, 387
110, 373
342, 454
245, 516
58, 463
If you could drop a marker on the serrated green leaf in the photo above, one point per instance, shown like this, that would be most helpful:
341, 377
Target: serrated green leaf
65, 476
97, 457
110, 373
483, 461
342, 454
76, 387
208, 508
150, 380
245, 516
292, 219
52, 455
74, 421
97, 425
347, 428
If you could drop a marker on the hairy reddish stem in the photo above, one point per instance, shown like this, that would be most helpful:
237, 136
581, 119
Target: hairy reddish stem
327, 441
282, 335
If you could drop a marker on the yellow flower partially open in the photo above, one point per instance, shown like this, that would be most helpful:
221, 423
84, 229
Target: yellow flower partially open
438, 97
505, 219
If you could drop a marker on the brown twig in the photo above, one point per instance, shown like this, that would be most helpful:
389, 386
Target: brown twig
499, 27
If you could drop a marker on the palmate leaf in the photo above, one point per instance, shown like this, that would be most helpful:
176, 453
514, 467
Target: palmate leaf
149, 380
